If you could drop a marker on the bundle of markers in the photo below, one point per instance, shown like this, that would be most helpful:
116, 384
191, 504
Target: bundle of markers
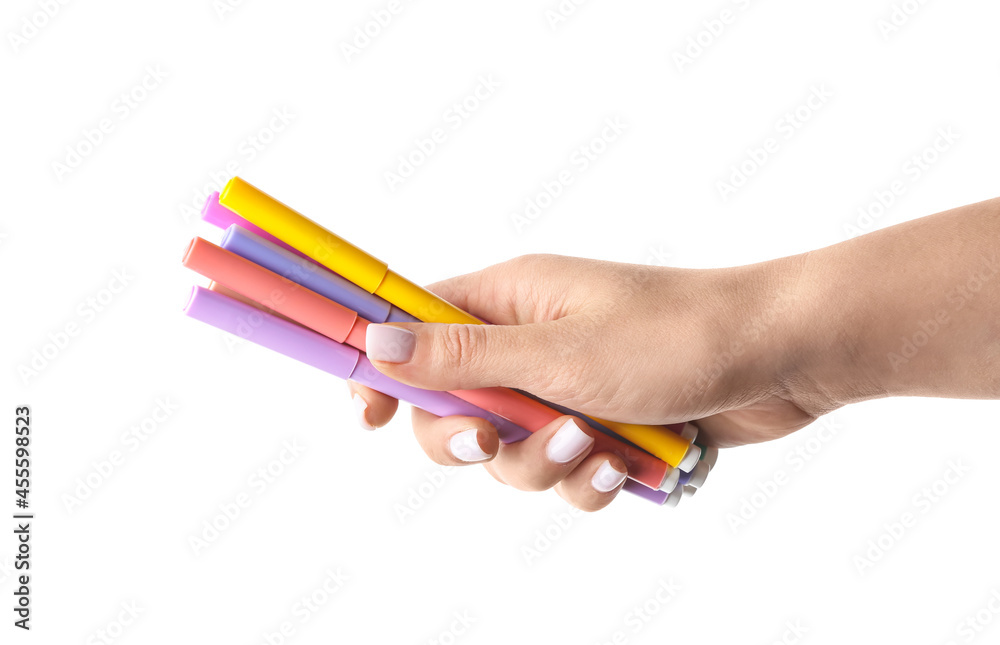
282, 281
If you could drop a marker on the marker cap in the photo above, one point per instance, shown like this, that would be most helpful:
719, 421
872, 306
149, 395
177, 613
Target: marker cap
303, 234
266, 287
311, 276
698, 475
690, 458
671, 479
218, 215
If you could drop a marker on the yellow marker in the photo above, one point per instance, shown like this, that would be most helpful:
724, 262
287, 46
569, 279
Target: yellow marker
374, 276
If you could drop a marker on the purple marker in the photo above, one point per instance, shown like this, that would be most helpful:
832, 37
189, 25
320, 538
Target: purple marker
330, 356
656, 496
696, 478
311, 276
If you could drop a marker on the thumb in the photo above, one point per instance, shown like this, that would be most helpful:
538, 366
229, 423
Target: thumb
437, 356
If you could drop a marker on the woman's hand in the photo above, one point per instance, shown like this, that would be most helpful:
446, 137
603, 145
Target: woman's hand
750, 353
624, 342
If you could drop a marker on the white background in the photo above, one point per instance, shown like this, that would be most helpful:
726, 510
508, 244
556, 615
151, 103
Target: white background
651, 197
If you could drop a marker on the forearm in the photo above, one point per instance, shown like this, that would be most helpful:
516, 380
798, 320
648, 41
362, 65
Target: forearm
911, 310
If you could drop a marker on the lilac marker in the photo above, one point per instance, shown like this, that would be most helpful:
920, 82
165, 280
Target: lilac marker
656, 496
317, 350
311, 276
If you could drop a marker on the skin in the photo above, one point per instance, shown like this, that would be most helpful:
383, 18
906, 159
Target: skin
751, 353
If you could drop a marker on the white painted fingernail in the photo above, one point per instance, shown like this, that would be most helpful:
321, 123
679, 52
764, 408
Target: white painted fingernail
465, 446
568, 443
607, 478
389, 344
360, 407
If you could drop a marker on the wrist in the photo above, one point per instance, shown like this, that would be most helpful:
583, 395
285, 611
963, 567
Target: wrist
832, 331
791, 326
757, 345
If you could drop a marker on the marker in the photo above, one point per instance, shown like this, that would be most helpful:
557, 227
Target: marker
656, 496
710, 455
311, 276
312, 348
343, 325
696, 478
287, 298
218, 215
375, 277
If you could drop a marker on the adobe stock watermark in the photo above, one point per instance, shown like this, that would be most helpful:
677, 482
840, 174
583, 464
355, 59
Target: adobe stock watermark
306, 606
898, 17
581, 159
958, 297
130, 441
895, 530
979, 621
34, 23
544, 538
794, 631
422, 492
257, 484
122, 107
245, 151
457, 627
560, 13
823, 431
641, 614
785, 128
913, 170
84, 314
657, 256
125, 616
709, 33
454, 117
224, 8
366, 33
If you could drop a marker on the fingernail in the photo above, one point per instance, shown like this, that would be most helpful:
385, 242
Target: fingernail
389, 344
607, 478
568, 443
360, 407
465, 446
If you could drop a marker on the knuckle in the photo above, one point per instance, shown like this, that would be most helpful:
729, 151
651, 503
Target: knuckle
530, 263
460, 345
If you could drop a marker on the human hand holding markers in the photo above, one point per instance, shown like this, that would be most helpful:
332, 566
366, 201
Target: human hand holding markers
753, 353
273, 284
